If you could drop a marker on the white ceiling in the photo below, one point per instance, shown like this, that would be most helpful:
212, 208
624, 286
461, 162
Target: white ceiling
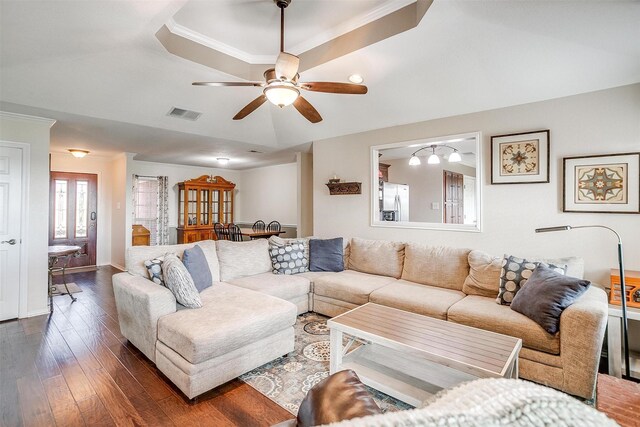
98, 68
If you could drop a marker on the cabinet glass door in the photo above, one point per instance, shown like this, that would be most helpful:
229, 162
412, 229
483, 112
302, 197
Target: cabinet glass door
181, 222
204, 207
192, 207
227, 210
215, 205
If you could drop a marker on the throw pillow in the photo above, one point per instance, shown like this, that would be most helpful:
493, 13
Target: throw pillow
514, 274
179, 282
326, 255
154, 268
289, 258
196, 264
545, 296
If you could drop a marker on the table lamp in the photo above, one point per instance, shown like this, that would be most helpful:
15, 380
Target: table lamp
623, 295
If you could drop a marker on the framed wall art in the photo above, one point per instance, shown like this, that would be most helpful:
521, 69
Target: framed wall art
520, 158
608, 183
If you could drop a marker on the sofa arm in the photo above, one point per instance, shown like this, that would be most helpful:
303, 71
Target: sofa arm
582, 327
140, 304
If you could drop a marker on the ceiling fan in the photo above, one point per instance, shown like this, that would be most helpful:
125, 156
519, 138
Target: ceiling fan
282, 85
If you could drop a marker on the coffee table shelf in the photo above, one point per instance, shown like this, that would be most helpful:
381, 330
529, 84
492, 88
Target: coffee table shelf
411, 357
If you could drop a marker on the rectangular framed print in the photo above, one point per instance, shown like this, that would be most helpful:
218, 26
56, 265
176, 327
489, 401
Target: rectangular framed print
520, 158
607, 183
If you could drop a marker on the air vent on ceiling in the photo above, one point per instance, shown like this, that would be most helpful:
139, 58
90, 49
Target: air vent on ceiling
254, 151
181, 113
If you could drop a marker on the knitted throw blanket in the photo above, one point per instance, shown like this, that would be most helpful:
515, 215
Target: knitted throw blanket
492, 402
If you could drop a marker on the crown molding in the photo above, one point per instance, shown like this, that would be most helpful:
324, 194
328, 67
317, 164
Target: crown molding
27, 118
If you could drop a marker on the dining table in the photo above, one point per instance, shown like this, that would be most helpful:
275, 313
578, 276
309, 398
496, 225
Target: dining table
259, 234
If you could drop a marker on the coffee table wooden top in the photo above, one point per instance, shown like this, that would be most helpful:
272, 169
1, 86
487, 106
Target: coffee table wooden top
475, 351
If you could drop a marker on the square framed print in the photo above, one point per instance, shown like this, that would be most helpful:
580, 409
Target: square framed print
520, 158
608, 183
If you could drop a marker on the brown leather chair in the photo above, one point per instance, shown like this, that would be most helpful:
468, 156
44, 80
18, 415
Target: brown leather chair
339, 397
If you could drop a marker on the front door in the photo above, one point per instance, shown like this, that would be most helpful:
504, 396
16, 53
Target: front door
73, 214
10, 230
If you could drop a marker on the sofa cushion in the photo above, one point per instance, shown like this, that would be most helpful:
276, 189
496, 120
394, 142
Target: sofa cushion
379, 257
350, 286
484, 313
178, 280
278, 285
196, 263
484, 272
239, 259
422, 299
230, 318
326, 254
137, 255
440, 266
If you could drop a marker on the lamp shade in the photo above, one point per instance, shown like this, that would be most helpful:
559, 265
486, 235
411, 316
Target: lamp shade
281, 94
455, 157
433, 159
414, 160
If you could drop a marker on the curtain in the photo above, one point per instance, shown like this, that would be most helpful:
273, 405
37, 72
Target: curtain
151, 206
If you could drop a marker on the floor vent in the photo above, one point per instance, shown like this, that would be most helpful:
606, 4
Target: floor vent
181, 113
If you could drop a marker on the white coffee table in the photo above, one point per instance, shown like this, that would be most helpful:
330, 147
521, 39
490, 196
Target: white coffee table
411, 357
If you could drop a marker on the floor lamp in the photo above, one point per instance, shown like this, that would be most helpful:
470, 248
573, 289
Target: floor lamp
623, 295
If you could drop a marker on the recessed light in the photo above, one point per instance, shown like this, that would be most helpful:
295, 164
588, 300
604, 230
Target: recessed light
356, 78
78, 153
222, 160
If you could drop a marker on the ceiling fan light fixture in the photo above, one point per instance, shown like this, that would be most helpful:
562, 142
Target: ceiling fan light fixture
281, 94
455, 157
76, 152
414, 160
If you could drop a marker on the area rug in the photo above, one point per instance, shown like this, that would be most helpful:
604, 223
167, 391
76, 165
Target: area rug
287, 380
59, 289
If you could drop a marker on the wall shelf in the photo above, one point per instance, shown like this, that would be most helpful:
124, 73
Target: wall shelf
344, 188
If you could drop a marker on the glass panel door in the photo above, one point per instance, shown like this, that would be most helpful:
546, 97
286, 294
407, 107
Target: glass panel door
60, 209
82, 205
204, 207
192, 206
227, 207
215, 205
181, 222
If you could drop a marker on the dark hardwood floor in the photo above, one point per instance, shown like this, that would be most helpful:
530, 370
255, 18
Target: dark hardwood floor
75, 368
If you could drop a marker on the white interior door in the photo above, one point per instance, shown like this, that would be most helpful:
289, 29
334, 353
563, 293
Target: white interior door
469, 197
10, 217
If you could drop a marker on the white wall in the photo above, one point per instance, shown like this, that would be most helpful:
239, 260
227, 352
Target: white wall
304, 163
103, 167
119, 211
601, 122
269, 193
34, 131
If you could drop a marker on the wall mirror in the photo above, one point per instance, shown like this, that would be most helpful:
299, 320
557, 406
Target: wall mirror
432, 183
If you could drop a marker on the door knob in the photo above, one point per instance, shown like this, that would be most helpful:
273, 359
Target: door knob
11, 242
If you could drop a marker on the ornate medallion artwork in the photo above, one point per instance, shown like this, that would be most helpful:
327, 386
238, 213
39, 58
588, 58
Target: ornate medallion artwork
520, 158
287, 380
608, 183
601, 184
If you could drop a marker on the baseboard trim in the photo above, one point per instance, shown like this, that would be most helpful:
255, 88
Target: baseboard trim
38, 313
118, 266
77, 269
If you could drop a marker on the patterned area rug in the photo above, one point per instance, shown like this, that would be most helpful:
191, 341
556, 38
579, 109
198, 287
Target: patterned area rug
287, 380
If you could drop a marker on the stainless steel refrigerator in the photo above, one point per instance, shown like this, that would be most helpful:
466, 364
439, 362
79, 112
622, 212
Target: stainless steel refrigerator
395, 198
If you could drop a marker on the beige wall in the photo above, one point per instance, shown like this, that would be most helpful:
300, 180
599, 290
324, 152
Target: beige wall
304, 162
103, 167
425, 185
601, 122
34, 131
119, 211
269, 193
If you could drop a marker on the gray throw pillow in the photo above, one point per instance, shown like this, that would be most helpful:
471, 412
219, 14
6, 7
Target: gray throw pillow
196, 263
289, 258
178, 280
154, 268
515, 273
326, 254
545, 296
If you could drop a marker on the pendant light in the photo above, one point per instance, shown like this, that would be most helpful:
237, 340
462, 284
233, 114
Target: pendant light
414, 160
433, 158
455, 157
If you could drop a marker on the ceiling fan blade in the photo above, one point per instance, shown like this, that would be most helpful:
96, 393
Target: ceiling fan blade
334, 87
287, 66
250, 107
259, 84
307, 110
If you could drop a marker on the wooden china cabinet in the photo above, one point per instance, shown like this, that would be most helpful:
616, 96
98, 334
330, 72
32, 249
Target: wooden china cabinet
202, 202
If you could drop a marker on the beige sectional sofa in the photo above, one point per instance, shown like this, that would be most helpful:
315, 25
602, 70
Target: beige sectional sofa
248, 314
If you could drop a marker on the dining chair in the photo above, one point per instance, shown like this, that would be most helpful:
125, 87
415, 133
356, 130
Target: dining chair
274, 226
259, 225
221, 231
234, 232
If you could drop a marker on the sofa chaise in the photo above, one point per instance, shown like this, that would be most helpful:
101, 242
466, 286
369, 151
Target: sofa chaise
248, 314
